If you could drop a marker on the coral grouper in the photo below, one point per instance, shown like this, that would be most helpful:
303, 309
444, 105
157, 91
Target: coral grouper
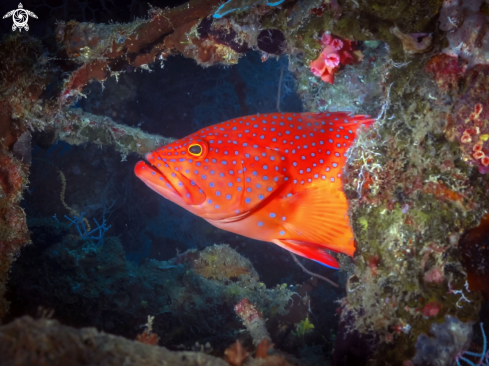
272, 177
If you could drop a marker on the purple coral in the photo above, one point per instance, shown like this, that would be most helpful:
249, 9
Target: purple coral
444, 344
467, 29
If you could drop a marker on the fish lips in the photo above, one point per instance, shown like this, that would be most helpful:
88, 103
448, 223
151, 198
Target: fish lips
155, 180
170, 183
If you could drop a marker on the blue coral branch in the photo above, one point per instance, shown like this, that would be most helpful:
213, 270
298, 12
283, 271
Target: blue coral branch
82, 230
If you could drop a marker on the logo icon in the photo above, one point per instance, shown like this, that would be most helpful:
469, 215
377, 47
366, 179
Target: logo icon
20, 17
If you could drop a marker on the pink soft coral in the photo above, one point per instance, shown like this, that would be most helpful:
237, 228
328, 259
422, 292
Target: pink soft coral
336, 52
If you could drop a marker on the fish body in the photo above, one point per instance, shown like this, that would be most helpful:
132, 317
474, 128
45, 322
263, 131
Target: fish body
272, 177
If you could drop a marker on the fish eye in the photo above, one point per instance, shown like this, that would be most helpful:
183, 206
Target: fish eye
195, 149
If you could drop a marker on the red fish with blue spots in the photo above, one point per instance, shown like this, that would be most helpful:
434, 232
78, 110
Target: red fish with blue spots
273, 177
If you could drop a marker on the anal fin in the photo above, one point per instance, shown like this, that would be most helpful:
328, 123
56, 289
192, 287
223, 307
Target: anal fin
309, 251
318, 216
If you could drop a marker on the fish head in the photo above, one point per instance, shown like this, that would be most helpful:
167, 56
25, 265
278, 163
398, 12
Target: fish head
175, 172
214, 177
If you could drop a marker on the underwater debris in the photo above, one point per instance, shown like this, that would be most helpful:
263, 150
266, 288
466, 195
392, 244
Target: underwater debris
31, 89
82, 41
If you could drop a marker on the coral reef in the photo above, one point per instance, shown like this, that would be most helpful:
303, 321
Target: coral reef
355, 88
20, 86
410, 188
13, 228
467, 119
220, 262
196, 291
405, 187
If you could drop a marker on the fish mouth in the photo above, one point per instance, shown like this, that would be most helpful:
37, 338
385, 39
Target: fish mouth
170, 183
156, 179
